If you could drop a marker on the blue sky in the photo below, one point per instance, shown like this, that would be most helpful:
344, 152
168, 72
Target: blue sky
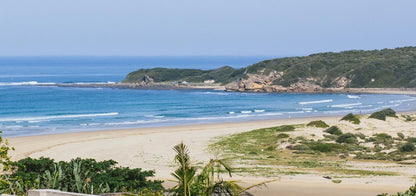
196, 27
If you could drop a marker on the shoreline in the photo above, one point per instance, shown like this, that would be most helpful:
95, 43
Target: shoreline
202, 86
150, 149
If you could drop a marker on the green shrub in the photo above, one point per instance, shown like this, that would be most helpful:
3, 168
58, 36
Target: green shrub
381, 115
318, 123
331, 137
360, 135
408, 147
352, 118
82, 176
282, 136
348, 138
411, 139
285, 128
401, 136
271, 148
298, 147
324, 147
383, 136
334, 130
407, 118
336, 181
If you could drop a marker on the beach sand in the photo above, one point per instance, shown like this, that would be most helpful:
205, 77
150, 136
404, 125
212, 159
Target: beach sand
151, 149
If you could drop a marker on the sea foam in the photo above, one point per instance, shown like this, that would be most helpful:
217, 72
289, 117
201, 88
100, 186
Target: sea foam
313, 102
43, 118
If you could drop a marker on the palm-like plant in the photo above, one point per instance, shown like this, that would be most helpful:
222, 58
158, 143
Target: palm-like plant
185, 174
208, 182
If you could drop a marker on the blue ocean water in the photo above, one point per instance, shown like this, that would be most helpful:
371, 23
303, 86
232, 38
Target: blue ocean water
30, 109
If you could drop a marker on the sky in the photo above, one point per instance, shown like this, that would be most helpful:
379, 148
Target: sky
201, 27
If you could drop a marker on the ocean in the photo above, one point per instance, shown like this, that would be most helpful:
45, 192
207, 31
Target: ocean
28, 109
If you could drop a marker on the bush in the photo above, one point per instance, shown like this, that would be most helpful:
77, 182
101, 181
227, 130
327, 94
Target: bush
382, 138
331, 137
298, 147
411, 139
324, 147
401, 136
318, 123
408, 147
381, 115
352, 118
360, 135
82, 176
348, 138
334, 130
285, 128
282, 136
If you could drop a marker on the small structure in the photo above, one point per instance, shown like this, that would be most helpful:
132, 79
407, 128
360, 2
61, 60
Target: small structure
209, 81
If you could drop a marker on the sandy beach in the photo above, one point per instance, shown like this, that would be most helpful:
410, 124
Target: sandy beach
151, 149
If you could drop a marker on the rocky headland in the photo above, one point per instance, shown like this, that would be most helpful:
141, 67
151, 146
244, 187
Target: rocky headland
329, 72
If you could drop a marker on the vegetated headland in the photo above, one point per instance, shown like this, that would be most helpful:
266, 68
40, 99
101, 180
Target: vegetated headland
322, 72
355, 71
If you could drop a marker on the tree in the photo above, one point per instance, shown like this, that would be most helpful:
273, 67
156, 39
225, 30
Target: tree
208, 182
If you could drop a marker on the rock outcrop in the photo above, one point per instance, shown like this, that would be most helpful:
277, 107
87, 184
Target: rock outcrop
263, 83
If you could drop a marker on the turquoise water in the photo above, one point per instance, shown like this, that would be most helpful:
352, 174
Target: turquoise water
29, 109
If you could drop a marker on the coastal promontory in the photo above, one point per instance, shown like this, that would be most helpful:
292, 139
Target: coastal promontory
386, 68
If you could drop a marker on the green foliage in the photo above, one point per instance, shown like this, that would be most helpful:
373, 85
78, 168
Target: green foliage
282, 136
365, 69
81, 175
331, 137
318, 123
381, 138
411, 139
407, 118
407, 147
400, 135
352, 118
387, 67
221, 75
7, 184
334, 130
381, 115
336, 181
208, 182
324, 147
348, 138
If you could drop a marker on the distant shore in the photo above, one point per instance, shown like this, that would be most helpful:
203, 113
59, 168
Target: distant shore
203, 86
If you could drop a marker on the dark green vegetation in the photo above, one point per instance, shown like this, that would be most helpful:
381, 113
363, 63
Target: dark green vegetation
92, 177
259, 151
388, 68
208, 182
352, 118
395, 68
318, 123
221, 75
334, 130
298, 149
409, 192
381, 115
78, 175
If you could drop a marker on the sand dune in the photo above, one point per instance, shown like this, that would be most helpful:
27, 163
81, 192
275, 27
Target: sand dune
151, 149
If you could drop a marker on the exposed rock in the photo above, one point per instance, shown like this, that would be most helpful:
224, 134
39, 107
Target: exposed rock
263, 83
146, 81
342, 82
